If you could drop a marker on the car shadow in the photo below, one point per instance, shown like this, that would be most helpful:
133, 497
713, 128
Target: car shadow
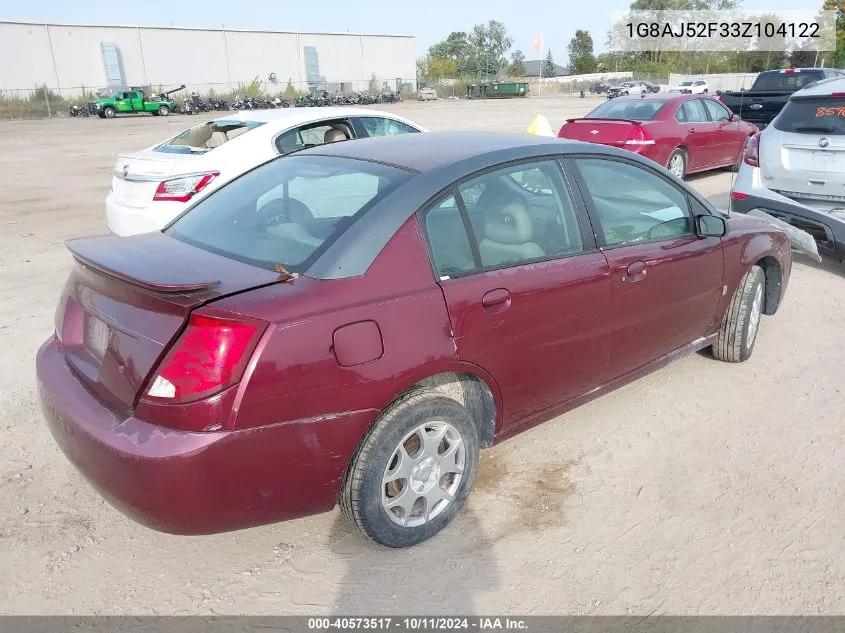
827, 264
441, 576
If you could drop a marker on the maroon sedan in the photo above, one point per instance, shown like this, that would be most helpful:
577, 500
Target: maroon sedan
354, 322
684, 133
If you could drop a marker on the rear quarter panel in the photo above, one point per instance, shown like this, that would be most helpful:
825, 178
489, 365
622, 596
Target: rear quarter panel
298, 375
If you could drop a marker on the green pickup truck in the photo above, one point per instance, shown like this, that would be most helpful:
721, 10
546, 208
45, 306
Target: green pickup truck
130, 102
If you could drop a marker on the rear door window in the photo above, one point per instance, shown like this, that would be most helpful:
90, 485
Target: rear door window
206, 136
825, 115
313, 134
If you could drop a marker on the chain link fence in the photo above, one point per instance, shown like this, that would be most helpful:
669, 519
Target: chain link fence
43, 102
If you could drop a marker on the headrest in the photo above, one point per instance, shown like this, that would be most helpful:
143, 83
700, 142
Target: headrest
510, 223
333, 135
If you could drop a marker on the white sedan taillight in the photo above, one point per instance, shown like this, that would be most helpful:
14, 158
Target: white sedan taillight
183, 188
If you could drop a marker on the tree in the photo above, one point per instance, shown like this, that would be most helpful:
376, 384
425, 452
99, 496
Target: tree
517, 67
769, 52
549, 69
455, 47
440, 68
837, 60
489, 43
581, 57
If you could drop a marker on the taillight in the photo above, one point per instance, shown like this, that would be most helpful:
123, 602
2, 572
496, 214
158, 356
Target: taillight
183, 188
639, 136
751, 156
736, 195
209, 356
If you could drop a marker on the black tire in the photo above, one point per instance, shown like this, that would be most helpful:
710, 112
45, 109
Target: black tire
363, 488
163, 110
705, 91
732, 342
678, 152
101, 115
109, 113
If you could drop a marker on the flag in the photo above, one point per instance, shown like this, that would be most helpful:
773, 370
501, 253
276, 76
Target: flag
538, 43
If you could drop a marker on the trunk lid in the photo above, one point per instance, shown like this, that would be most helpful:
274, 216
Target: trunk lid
614, 132
128, 298
137, 175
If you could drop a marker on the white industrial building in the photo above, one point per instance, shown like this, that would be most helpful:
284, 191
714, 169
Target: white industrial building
69, 58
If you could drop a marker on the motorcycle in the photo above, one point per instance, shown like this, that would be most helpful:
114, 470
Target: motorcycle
388, 96
76, 110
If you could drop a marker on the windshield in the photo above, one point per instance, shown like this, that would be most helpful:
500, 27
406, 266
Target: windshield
205, 137
638, 110
786, 81
812, 116
685, 83
286, 212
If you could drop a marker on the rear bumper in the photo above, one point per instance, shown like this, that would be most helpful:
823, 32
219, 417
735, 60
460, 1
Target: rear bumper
828, 228
192, 483
124, 220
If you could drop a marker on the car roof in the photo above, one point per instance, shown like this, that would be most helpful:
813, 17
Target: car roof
822, 88
297, 116
424, 152
658, 96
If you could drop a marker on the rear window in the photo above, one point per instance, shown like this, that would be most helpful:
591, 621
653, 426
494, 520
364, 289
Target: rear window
812, 116
286, 212
639, 110
205, 137
786, 81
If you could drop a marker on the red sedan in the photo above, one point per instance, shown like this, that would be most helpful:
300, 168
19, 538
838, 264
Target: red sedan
684, 133
353, 322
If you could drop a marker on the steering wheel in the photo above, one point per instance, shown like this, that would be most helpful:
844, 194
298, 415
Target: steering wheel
281, 210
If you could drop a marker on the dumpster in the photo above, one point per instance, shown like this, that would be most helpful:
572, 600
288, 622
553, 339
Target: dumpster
506, 90
497, 90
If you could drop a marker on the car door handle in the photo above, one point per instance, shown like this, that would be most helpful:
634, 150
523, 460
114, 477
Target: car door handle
635, 271
496, 298
692, 130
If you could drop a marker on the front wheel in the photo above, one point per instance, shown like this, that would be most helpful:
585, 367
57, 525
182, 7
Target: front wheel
163, 111
413, 471
109, 113
738, 332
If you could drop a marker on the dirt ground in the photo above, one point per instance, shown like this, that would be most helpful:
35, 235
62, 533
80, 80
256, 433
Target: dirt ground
706, 488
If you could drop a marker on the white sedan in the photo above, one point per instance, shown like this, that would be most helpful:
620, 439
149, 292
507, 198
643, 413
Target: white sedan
153, 186
691, 87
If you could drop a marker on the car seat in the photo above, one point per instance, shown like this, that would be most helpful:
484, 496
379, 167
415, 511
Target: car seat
508, 234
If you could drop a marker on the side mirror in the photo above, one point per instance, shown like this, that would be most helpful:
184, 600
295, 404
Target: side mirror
718, 93
731, 117
711, 226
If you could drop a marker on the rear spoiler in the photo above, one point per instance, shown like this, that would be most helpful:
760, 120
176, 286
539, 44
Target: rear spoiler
605, 120
130, 262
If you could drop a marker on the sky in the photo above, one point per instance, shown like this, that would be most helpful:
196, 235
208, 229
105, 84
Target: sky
557, 20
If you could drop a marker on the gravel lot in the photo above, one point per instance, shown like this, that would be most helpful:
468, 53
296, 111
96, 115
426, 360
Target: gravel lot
706, 488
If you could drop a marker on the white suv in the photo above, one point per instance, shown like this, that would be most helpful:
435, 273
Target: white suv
795, 168
691, 87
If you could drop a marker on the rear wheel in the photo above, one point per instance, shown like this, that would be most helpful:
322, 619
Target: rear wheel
163, 111
738, 332
677, 163
413, 471
109, 113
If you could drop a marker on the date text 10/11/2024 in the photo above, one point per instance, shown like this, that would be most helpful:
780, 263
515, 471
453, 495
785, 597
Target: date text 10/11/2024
416, 623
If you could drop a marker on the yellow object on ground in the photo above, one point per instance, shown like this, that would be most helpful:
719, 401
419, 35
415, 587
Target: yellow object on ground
540, 126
